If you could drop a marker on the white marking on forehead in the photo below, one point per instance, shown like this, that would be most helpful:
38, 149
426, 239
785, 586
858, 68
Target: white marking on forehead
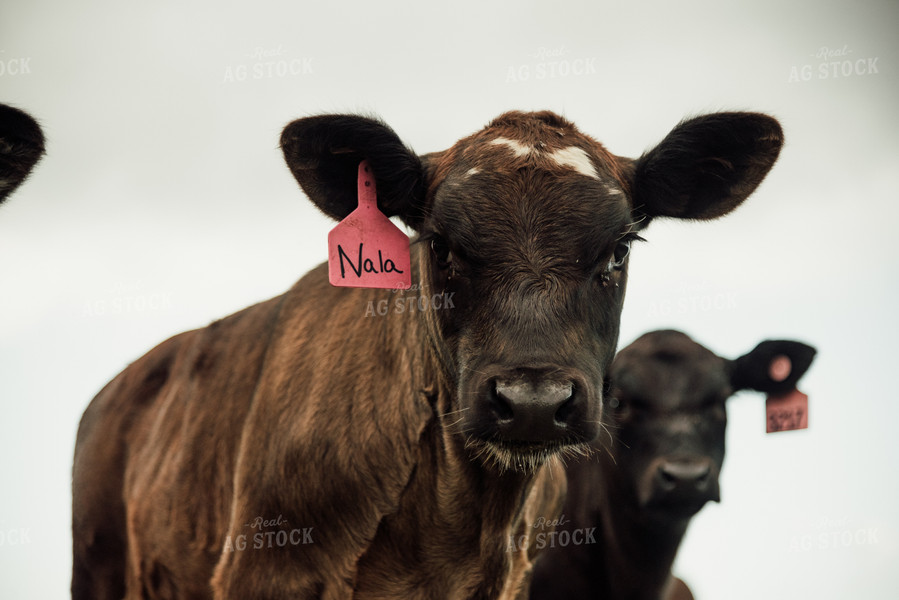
472, 171
517, 147
613, 190
577, 159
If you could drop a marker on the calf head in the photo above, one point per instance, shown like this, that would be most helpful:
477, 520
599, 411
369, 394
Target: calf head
21, 146
528, 224
668, 415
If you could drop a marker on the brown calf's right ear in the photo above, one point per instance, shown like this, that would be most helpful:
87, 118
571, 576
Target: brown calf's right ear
324, 152
706, 166
21, 146
756, 370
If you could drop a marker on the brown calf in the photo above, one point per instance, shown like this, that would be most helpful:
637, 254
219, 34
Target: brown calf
21, 146
300, 449
637, 496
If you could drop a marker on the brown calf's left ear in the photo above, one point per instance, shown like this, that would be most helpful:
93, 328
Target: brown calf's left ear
706, 166
324, 152
773, 367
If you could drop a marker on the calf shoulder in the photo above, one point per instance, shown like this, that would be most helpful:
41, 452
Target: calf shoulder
329, 444
155, 456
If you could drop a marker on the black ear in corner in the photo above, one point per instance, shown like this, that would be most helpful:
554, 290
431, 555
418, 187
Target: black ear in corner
707, 166
324, 152
21, 146
773, 367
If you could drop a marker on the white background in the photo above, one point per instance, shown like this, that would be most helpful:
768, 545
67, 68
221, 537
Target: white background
164, 203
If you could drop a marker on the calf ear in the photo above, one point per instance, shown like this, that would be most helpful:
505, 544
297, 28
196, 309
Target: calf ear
324, 153
765, 370
706, 166
21, 146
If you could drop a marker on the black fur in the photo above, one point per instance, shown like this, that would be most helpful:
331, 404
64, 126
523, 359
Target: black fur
751, 371
707, 165
21, 146
324, 153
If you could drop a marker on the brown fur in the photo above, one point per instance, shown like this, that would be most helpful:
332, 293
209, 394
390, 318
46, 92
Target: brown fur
381, 437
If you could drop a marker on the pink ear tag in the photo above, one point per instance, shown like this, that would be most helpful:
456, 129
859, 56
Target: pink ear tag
365, 249
786, 412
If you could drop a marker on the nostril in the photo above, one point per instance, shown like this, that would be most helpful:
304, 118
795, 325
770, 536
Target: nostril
499, 402
676, 473
667, 476
568, 407
704, 476
555, 394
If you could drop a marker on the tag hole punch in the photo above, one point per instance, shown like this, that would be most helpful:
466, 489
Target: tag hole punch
780, 368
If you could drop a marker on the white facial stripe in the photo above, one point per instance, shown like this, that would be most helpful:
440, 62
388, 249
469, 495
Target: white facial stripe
571, 157
518, 148
472, 171
613, 191
577, 159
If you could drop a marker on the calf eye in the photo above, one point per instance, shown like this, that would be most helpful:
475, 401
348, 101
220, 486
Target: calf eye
441, 251
622, 249
623, 409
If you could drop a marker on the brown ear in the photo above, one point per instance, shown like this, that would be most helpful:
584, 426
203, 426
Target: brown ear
324, 153
21, 146
706, 166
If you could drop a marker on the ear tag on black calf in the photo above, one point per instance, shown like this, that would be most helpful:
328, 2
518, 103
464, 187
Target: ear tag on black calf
787, 411
365, 249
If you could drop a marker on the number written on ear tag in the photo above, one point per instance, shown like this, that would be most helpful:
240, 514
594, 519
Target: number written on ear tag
365, 249
786, 412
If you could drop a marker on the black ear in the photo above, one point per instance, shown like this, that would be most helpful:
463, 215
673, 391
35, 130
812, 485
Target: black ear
754, 370
706, 166
324, 153
21, 146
